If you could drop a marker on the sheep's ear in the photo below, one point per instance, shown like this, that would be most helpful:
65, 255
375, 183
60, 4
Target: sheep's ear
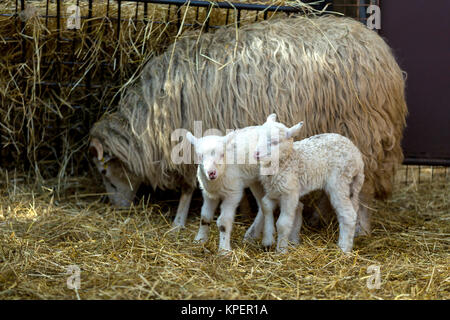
272, 118
295, 130
191, 138
96, 149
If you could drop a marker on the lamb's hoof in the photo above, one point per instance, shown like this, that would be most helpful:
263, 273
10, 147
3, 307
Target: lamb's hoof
361, 232
282, 249
268, 242
224, 252
200, 239
175, 228
267, 248
250, 240
176, 225
251, 237
294, 242
347, 249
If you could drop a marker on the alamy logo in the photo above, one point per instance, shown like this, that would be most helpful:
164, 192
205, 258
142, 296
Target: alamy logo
74, 19
374, 20
73, 15
374, 280
241, 152
74, 279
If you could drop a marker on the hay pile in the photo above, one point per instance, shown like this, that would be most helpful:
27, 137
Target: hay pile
130, 254
55, 82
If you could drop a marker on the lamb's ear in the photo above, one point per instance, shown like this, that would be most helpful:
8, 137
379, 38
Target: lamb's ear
191, 138
295, 130
272, 118
96, 149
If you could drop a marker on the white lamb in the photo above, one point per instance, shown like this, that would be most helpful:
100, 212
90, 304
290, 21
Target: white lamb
226, 168
330, 162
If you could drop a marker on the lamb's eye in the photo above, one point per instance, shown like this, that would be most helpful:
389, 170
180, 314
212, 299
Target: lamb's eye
103, 172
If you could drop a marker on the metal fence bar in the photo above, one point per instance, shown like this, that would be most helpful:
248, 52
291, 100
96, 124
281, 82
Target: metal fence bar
178, 17
87, 119
26, 160
223, 5
59, 121
46, 14
430, 162
208, 12
239, 18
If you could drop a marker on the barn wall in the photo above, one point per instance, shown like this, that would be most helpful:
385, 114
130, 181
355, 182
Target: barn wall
418, 31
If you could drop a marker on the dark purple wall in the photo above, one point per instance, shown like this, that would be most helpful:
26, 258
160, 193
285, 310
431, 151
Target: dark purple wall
419, 33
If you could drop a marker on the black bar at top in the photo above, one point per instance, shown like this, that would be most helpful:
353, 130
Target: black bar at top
222, 5
429, 162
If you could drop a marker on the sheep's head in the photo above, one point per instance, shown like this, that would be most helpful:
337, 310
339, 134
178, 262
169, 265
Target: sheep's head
210, 151
121, 185
274, 138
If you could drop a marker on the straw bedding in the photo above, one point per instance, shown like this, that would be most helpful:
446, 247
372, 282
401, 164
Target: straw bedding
130, 254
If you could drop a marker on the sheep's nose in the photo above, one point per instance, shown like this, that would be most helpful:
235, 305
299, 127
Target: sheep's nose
256, 155
212, 174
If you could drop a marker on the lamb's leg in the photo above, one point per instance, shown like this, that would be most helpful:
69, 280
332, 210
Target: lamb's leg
183, 208
256, 229
207, 215
267, 206
288, 210
346, 216
226, 219
294, 236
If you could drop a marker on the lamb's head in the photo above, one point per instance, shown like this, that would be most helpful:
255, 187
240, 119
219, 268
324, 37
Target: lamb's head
274, 138
210, 151
121, 184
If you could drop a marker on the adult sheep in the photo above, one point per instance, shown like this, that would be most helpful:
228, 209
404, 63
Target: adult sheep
330, 72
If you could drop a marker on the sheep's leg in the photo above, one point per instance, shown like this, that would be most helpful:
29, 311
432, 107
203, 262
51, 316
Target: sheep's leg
226, 219
288, 211
183, 208
244, 207
268, 206
256, 229
207, 215
322, 212
294, 236
363, 225
346, 216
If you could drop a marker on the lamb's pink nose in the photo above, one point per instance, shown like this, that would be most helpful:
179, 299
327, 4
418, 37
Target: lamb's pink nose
212, 174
